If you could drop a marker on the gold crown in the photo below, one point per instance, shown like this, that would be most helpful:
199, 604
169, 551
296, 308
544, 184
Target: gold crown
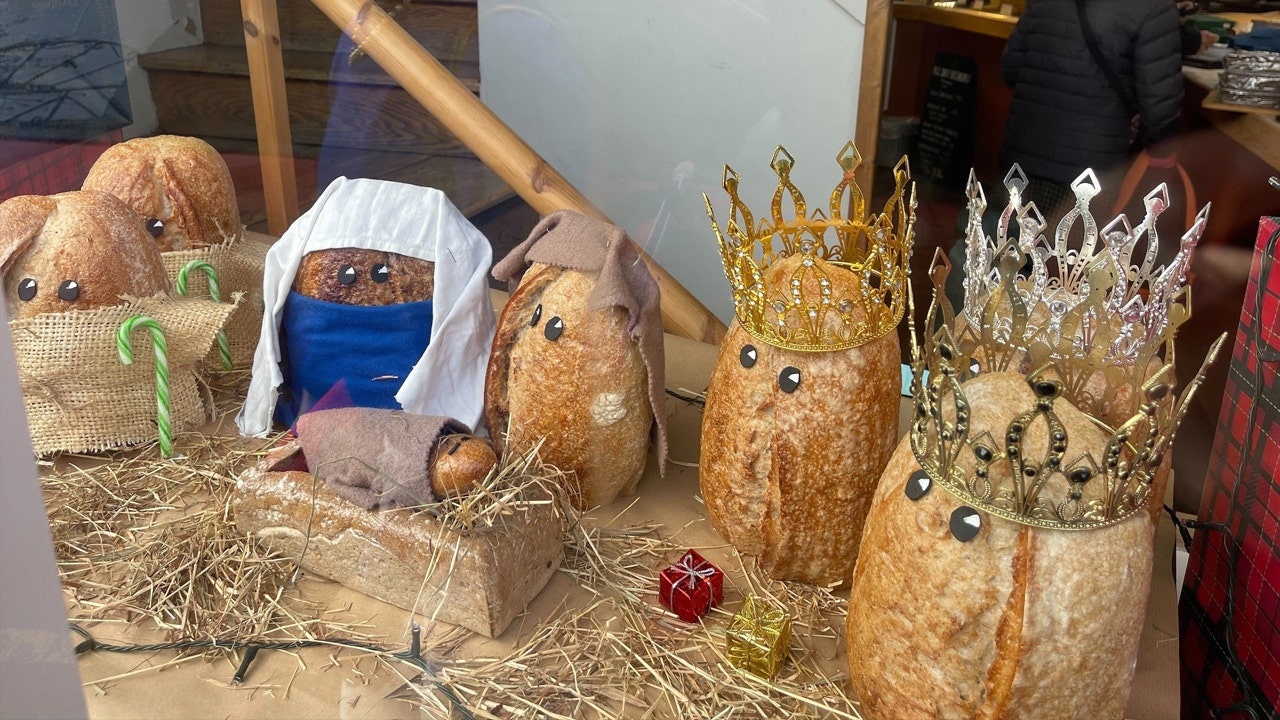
804, 315
1081, 323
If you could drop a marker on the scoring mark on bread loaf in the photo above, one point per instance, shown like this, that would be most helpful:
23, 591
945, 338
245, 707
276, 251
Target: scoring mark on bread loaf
608, 408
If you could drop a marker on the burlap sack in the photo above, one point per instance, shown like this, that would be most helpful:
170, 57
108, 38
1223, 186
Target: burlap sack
239, 263
79, 396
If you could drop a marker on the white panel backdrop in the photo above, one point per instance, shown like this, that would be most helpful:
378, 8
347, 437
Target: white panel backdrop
641, 103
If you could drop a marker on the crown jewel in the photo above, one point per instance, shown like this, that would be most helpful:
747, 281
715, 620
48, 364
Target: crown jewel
808, 312
1080, 322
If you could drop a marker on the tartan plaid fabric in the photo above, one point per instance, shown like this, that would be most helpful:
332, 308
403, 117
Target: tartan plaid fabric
35, 167
1243, 491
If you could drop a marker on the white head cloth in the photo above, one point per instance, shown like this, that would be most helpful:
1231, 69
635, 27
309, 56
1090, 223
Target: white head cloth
414, 221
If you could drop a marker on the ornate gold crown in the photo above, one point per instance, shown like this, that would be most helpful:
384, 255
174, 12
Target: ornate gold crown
1081, 323
798, 315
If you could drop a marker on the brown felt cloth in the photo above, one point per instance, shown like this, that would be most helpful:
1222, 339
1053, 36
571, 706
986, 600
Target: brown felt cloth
569, 240
374, 457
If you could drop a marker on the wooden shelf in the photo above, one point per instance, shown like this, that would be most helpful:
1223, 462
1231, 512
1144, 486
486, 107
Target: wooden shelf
974, 21
298, 65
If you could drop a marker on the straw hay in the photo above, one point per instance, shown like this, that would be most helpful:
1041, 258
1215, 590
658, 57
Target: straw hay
144, 539
141, 538
624, 654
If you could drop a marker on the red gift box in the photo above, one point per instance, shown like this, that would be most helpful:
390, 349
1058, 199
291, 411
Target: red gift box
691, 587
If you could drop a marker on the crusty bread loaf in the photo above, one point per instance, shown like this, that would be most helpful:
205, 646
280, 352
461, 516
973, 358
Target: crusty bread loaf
460, 461
584, 394
788, 476
405, 279
1113, 406
180, 181
86, 246
480, 579
1018, 622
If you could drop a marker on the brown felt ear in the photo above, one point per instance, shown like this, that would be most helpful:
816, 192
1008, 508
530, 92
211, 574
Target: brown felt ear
516, 318
21, 220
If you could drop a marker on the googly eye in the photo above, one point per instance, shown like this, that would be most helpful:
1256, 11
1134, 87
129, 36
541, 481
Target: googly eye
965, 523
380, 273
748, 356
346, 274
789, 379
27, 289
154, 227
537, 315
555, 327
918, 484
69, 290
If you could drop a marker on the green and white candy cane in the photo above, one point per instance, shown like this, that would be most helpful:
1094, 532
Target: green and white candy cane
224, 348
124, 345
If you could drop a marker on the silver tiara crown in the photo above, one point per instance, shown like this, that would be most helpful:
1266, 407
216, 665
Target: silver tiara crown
1060, 293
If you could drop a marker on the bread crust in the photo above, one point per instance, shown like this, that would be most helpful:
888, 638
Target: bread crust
88, 237
181, 181
1017, 622
480, 580
408, 279
460, 461
789, 476
584, 395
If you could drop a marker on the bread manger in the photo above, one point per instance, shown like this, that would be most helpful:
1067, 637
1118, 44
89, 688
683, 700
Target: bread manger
474, 556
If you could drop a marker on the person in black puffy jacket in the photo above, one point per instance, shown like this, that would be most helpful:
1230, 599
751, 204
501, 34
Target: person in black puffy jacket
1065, 115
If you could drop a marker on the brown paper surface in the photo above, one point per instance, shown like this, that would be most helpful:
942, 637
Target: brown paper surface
342, 684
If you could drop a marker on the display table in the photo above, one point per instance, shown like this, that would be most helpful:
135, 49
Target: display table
1257, 129
329, 682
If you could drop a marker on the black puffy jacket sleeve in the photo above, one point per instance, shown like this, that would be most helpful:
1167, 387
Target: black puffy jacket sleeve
1157, 72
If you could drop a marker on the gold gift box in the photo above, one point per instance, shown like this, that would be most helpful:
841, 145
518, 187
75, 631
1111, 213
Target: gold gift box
759, 638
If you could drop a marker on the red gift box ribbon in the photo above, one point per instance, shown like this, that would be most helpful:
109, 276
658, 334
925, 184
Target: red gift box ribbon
688, 570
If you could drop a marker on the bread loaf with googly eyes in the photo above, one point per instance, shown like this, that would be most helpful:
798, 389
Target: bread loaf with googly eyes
794, 442
354, 276
179, 186
1014, 622
74, 251
571, 379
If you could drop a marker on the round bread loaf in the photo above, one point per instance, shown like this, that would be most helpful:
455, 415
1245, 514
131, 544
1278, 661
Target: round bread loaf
572, 379
179, 186
1018, 621
460, 461
75, 250
787, 469
353, 276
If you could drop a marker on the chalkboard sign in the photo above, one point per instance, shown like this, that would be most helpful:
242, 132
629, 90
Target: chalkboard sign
945, 150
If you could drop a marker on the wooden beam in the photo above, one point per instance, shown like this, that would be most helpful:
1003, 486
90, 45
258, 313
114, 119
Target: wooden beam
497, 145
270, 112
875, 49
